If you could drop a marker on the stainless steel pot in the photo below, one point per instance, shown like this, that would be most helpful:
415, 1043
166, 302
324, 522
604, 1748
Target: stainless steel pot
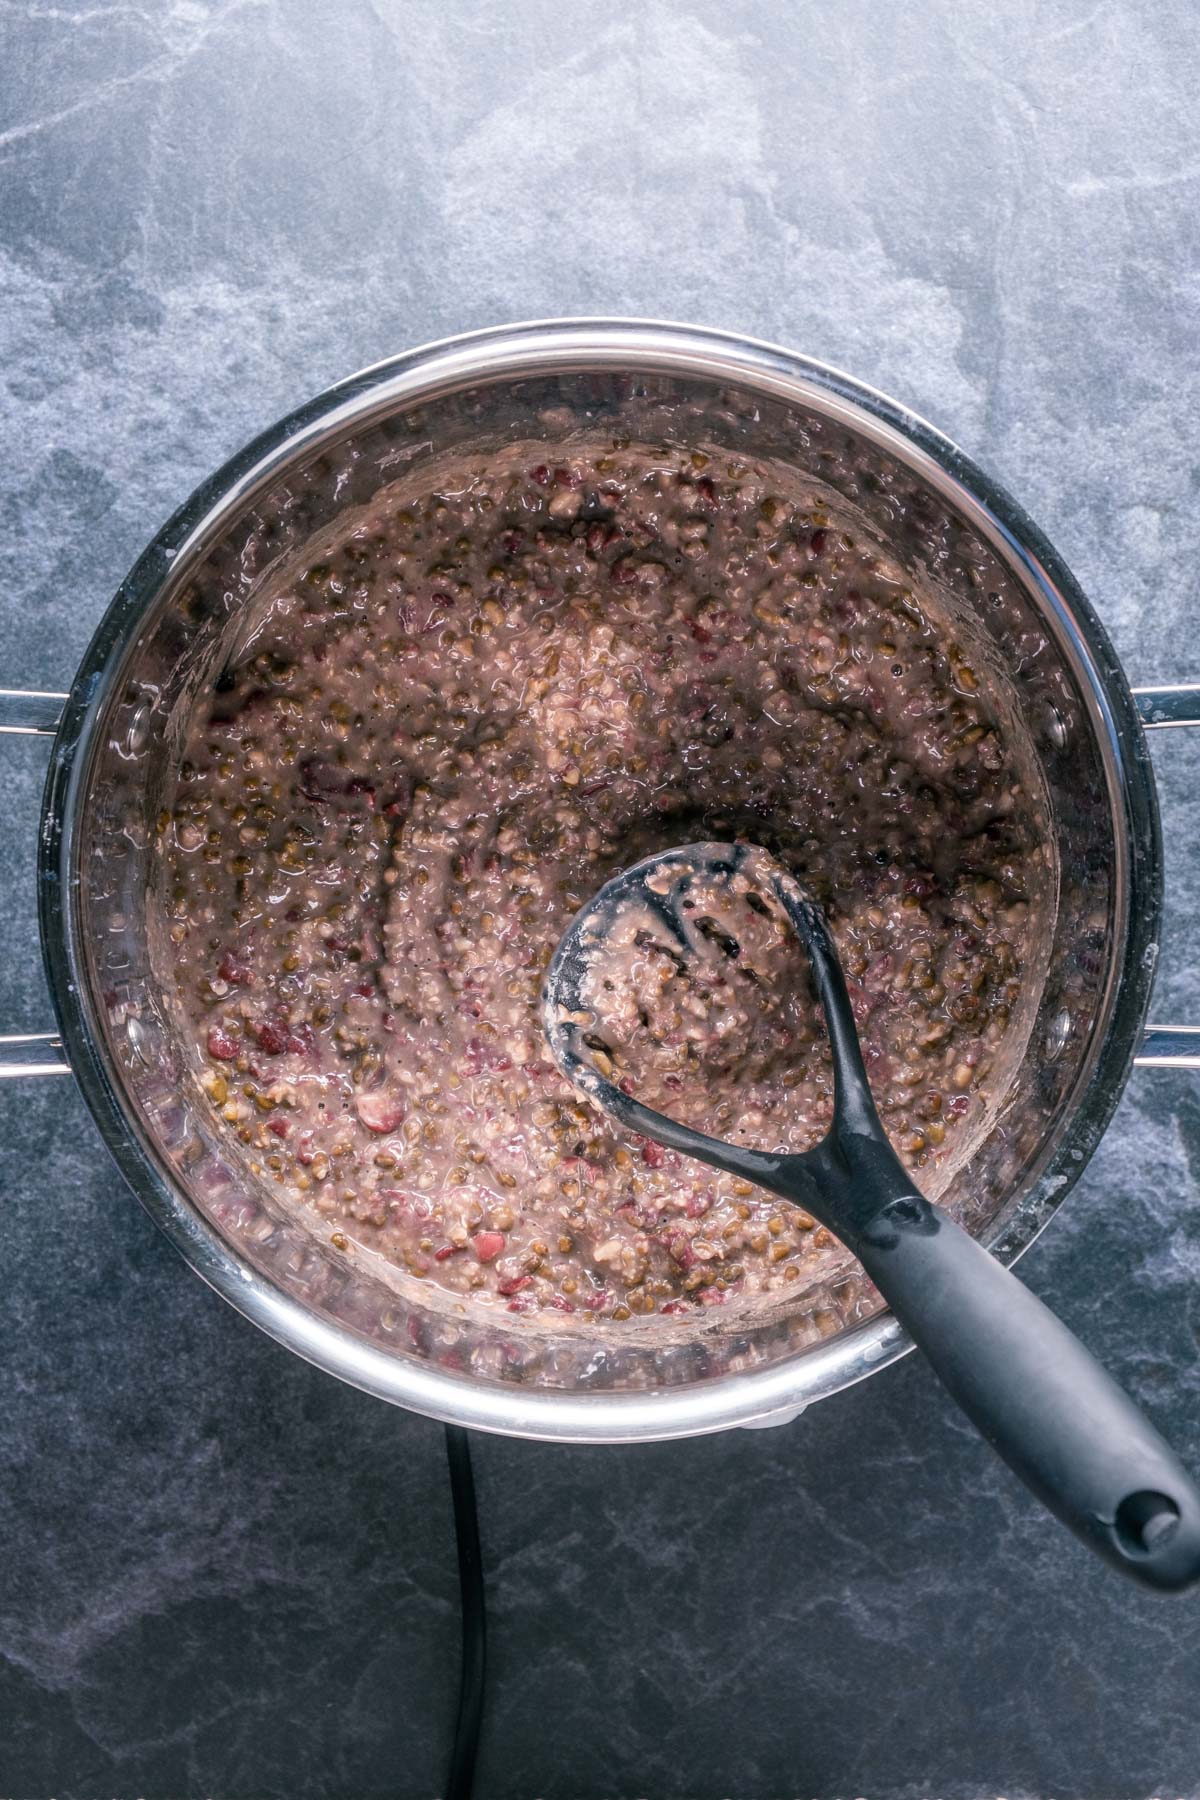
167, 632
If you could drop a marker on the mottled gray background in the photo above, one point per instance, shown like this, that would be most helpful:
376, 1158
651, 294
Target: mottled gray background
224, 1574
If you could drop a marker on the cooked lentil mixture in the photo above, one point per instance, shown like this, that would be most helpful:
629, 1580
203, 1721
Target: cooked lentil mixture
690, 990
497, 688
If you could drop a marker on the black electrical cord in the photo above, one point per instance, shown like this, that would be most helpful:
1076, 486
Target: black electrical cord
461, 1777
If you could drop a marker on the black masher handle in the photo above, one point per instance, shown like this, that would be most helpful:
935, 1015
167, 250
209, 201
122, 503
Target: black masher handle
1032, 1390
1037, 1395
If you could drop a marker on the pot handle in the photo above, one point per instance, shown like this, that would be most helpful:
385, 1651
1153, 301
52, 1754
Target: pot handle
41, 1052
34, 714
1161, 707
1169, 1046
38, 1053
27, 713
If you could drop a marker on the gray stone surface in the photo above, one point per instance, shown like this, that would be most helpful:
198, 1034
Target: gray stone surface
222, 1573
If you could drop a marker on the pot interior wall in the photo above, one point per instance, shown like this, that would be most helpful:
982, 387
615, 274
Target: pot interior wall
997, 1187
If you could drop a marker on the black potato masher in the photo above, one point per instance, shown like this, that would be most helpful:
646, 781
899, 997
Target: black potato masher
1029, 1386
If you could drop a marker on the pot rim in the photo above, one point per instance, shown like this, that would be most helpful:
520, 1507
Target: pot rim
539, 347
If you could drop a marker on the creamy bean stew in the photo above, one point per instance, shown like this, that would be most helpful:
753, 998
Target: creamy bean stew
504, 683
